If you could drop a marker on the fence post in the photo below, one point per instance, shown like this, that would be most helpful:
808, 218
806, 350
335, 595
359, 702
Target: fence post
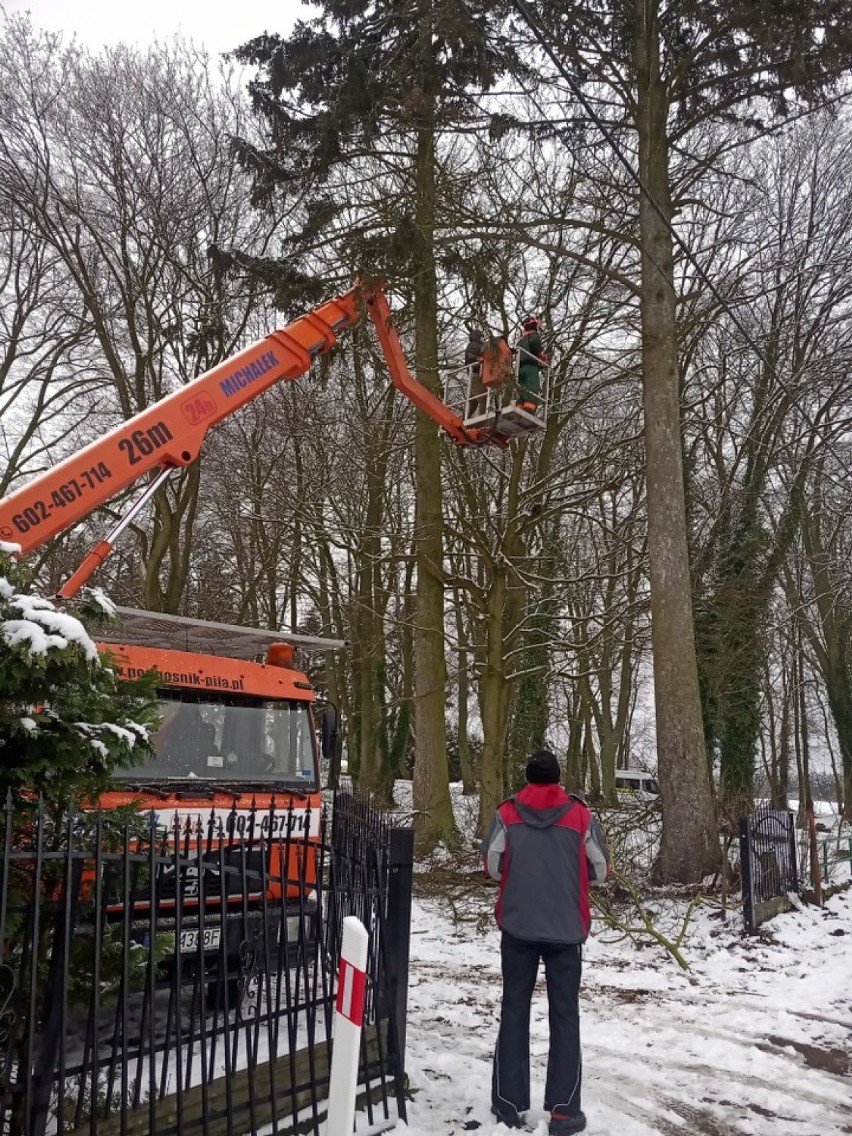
398, 930
816, 882
745, 869
57, 978
348, 1019
793, 853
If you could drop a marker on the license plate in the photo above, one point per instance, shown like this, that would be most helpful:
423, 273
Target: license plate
210, 939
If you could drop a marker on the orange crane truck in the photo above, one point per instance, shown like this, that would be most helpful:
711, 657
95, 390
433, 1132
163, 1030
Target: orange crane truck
237, 744
237, 740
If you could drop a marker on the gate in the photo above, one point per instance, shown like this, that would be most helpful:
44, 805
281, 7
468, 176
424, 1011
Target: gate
182, 981
769, 866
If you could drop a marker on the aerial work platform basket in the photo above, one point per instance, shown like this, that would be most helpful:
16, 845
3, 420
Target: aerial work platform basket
488, 396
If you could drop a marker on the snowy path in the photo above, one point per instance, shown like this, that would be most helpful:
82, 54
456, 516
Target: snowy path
755, 1040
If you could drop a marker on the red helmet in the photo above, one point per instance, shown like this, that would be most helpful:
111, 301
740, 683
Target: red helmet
530, 322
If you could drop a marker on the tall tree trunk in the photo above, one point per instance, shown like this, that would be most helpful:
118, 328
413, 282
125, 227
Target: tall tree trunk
371, 653
593, 772
400, 741
504, 610
612, 739
492, 683
689, 846
296, 551
465, 763
336, 668
803, 745
832, 651
840, 704
171, 542
573, 776
433, 819
779, 736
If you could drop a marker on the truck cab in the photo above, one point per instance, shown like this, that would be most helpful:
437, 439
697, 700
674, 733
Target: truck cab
234, 783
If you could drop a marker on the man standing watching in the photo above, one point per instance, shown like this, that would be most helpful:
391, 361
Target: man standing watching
473, 362
545, 848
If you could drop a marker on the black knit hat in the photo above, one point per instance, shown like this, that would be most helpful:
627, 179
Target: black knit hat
543, 768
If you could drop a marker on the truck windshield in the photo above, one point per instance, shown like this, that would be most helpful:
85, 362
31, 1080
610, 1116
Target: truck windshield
231, 738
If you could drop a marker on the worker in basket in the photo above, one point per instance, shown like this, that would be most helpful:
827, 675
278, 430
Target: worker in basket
531, 359
473, 363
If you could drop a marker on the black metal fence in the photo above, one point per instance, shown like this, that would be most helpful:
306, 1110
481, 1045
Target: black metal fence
769, 865
176, 975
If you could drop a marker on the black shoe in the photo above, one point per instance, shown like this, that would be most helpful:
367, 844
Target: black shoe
564, 1125
510, 1119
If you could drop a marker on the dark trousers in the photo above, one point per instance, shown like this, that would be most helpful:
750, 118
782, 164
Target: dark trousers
510, 1084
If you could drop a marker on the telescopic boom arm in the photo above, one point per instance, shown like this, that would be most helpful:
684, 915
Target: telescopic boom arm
169, 433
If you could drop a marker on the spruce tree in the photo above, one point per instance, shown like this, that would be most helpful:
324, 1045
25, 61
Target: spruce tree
368, 94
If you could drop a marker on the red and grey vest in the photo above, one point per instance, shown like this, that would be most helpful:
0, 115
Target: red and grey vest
542, 846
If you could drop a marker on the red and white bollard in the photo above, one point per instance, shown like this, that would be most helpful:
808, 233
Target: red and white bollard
348, 1019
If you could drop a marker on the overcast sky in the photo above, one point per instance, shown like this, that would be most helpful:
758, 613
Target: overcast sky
217, 24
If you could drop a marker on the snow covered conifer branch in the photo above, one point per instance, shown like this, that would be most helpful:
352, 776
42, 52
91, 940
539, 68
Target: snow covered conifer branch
66, 721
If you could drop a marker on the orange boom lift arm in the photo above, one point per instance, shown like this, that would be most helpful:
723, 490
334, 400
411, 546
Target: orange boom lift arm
450, 422
166, 435
170, 433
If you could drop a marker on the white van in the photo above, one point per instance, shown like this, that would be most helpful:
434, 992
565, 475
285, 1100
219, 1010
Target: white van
636, 781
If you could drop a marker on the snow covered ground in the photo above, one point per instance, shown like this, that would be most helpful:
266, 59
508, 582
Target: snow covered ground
756, 1038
